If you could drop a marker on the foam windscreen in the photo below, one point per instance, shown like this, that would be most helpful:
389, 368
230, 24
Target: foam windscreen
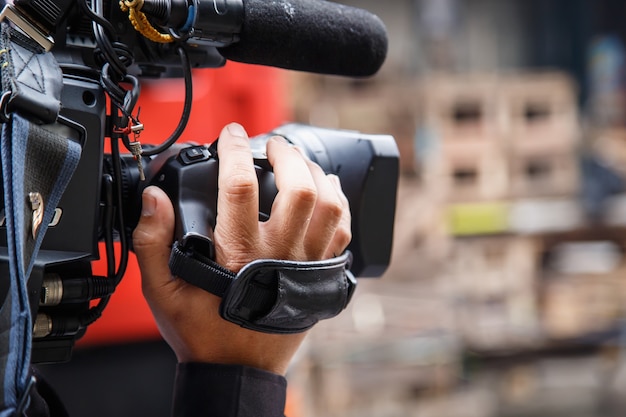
310, 35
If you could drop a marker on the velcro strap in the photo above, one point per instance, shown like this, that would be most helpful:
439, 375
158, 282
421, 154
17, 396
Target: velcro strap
199, 270
272, 296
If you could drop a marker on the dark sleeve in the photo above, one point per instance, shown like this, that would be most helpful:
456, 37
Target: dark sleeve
203, 389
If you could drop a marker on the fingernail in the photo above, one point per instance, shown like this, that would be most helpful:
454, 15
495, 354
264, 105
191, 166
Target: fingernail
148, 204
279, 139
237, 130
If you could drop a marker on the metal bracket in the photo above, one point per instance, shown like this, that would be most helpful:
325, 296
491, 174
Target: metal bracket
27, 26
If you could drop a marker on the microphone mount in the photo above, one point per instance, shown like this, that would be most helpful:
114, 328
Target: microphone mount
213, 23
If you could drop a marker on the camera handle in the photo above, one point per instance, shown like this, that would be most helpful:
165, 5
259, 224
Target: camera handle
189, 178
271, 296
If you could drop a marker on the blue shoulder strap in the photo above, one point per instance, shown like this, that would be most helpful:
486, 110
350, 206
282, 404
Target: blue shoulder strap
37, 164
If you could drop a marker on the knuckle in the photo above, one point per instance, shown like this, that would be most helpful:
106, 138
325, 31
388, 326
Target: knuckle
314, 168
304, 195
141, 239
234, 249
343, 236
239, 187
331, 209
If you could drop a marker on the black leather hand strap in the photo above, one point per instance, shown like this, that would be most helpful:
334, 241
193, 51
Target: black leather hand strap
199, 270
272, 296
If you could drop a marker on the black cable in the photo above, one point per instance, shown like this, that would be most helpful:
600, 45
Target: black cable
97, 18
108, 225
117, 57
108, 55
117, 172
105, 44
95, 312
99, 23
182, 124
114, 91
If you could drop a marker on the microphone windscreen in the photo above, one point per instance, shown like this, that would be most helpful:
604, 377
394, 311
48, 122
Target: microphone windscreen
310, 35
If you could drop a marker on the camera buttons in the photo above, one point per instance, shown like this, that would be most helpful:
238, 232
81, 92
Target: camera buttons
194, 154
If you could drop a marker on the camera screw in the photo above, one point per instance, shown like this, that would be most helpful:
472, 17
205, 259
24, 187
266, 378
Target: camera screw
36, 203
136, 150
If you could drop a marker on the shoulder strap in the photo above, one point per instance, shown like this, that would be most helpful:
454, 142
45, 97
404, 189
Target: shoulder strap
37, 164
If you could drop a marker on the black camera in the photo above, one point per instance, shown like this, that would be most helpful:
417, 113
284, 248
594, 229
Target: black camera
102, 201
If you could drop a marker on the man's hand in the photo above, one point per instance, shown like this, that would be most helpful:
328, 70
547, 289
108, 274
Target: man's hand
310, 220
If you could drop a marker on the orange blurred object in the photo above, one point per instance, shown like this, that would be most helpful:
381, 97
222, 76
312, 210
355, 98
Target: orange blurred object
254, 96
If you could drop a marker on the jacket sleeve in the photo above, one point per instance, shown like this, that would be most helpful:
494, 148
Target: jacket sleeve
204, 389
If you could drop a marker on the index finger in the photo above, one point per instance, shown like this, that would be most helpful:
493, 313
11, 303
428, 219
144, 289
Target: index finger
237, 198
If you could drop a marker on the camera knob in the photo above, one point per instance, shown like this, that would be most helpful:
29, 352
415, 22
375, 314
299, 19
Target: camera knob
194, 154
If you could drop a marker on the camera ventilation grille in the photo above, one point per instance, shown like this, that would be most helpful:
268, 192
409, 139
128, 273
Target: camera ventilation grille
48, 9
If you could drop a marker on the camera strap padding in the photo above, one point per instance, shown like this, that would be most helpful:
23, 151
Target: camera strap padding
272, 296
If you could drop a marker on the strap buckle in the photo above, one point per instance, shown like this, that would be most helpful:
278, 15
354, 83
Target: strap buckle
9, 12
24, 400
4, 107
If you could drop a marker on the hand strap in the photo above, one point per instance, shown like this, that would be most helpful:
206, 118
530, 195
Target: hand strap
271, 296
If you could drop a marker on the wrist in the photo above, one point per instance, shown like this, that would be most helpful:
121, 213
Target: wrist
233, 345
269, 356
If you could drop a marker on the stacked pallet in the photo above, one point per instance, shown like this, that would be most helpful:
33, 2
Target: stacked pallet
493, 281
583, 290
543, 135
393, 342
504, 161
502, 136
496, 141
465, 158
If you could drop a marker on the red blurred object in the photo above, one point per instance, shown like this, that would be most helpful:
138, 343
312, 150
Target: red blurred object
254, 96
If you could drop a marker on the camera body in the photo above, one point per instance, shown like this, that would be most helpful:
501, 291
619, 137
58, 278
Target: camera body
367, 166
71, 28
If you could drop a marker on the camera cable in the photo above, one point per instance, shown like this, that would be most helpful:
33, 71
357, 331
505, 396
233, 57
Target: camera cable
184, 119
113, 191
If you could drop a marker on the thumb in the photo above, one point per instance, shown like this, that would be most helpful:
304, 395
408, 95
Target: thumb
153, 236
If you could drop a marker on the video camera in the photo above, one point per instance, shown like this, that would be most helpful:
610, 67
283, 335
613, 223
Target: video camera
103, 56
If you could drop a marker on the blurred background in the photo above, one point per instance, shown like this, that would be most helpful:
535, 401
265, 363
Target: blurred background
506, 294
506, 291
